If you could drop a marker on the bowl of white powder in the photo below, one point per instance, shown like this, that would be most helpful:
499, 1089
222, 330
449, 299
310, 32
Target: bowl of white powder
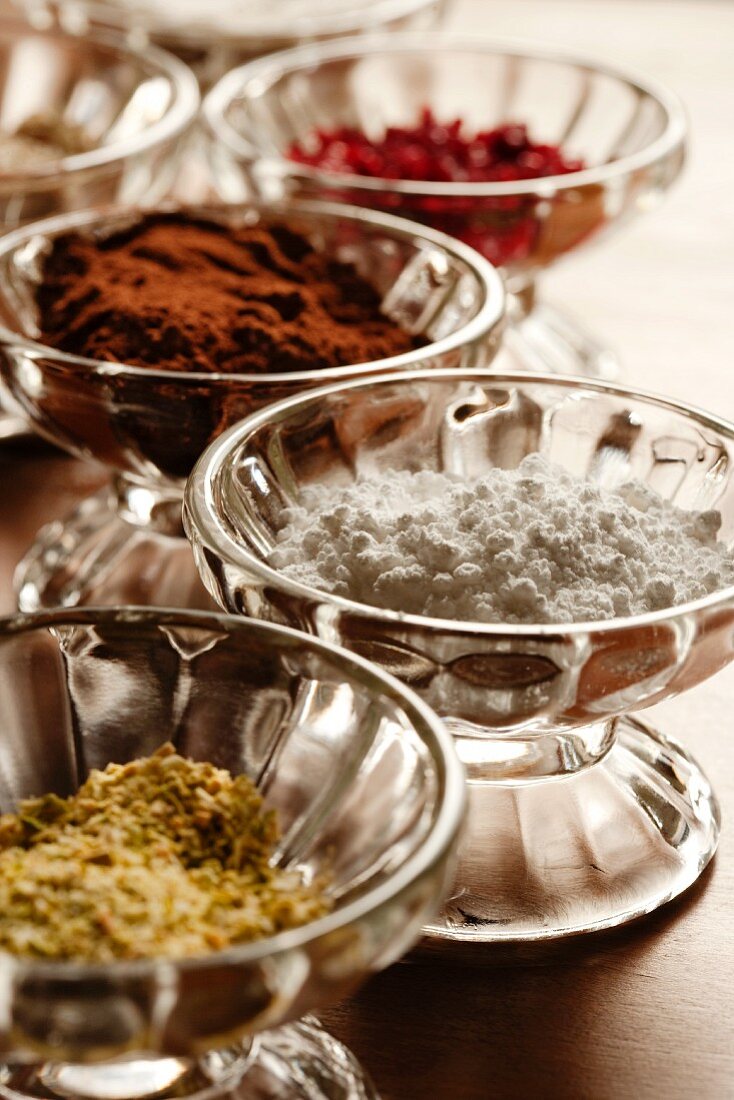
536, 556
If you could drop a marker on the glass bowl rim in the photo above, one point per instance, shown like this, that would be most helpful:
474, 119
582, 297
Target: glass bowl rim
433, 848
179, 115
488, 318
110, 14
227, 89
202, 521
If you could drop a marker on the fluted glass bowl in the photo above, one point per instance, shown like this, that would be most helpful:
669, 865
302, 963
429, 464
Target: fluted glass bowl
132, 105
635, 820
213, 35
367, 789
148, 427
628, 130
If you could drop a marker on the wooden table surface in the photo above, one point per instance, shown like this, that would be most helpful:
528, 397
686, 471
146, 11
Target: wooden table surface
647, 1011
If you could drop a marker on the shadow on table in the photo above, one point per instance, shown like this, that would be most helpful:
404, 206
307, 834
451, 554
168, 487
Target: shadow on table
585, 1017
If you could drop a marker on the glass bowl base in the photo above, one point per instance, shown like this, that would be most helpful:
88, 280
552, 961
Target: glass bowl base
292, 1062
94, 557
588, 851
547, 341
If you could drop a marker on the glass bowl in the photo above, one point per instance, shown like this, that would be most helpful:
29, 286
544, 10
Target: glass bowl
133, 106
148, 427
634, 820
367, 788
628, 131
215, 35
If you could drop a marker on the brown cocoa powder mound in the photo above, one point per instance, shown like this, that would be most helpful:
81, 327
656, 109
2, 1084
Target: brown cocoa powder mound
187, 294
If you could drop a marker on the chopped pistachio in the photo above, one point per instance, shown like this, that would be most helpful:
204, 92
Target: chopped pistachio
162, 856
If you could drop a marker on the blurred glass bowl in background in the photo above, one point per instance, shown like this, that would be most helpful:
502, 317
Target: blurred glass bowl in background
367, 788
628, 131
132, 107
214, 35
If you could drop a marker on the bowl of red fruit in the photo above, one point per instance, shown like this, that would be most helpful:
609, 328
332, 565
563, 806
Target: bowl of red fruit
523, 153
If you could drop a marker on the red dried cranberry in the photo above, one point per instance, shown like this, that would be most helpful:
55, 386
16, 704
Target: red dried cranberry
503, 229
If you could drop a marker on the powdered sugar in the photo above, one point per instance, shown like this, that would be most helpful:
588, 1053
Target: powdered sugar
530, 545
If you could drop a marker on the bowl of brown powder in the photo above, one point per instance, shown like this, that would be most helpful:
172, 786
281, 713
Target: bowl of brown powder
209, 828
539, 559
135, 338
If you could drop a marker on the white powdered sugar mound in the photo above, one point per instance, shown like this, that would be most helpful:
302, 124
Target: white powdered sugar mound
529, 545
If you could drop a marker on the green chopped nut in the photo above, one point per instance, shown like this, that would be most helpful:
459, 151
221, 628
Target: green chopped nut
162, 856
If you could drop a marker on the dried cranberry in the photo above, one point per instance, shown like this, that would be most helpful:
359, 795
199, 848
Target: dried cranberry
504, 229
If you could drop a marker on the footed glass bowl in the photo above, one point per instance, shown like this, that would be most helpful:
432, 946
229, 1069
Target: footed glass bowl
148, 427
367, 789
132, 105
634, 820
628, 131
213, 35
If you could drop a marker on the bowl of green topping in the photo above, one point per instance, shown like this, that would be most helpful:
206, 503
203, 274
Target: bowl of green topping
209, 828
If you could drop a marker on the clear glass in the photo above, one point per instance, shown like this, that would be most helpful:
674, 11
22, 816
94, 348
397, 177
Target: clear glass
134, 105
367, 788
215, 35
148, 427
634, 820
629, 132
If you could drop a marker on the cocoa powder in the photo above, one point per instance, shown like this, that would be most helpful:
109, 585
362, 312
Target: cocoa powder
187, 294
